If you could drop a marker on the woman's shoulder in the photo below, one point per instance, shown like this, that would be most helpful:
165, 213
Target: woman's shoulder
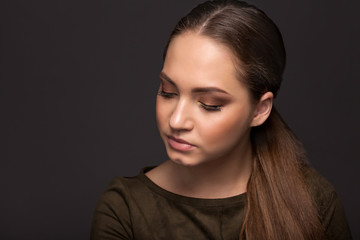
123, 186
320, 188
115, 207
330, 209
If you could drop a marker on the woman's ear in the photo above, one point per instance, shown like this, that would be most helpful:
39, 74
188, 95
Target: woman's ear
263, 109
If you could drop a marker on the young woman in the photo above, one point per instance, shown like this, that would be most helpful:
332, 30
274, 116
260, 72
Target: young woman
235, 169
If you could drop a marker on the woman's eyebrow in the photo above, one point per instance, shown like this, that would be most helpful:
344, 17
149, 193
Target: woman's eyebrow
163, 76
208, 89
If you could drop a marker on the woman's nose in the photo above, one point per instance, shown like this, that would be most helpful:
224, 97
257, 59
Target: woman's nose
181, 118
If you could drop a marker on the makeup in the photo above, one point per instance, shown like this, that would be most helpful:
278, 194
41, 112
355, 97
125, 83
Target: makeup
179, 144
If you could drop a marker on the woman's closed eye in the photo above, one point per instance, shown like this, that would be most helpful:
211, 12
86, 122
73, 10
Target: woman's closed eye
208, 107
166, 94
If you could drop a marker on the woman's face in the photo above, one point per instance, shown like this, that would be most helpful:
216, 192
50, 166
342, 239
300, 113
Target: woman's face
204, 112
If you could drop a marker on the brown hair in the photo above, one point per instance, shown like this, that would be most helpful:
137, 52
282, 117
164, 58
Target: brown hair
279, 205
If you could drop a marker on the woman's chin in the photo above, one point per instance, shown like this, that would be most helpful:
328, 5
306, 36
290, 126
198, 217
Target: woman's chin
183, 162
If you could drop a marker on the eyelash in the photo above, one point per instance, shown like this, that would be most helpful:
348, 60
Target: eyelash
166, 94
210, 108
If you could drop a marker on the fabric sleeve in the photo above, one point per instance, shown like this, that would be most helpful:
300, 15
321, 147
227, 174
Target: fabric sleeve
331, 211
111, 220
334, 220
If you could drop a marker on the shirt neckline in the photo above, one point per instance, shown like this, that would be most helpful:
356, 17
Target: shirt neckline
205, 202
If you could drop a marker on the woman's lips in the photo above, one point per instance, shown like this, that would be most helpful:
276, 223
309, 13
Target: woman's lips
179, 144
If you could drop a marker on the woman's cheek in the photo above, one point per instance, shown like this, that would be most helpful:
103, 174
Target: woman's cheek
223, 129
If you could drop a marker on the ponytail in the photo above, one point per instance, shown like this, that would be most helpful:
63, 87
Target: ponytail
279, 205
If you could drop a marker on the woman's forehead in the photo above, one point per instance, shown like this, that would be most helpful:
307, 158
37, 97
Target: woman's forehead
198, 59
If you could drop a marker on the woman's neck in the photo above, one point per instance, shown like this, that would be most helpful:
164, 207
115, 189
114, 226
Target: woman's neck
215, 179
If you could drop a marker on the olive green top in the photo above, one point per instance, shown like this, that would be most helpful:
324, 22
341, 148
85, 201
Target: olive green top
136, 208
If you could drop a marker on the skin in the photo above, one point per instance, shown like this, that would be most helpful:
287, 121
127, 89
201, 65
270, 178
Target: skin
202, 102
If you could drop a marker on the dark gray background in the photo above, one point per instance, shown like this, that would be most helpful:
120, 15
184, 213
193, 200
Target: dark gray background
78, 86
